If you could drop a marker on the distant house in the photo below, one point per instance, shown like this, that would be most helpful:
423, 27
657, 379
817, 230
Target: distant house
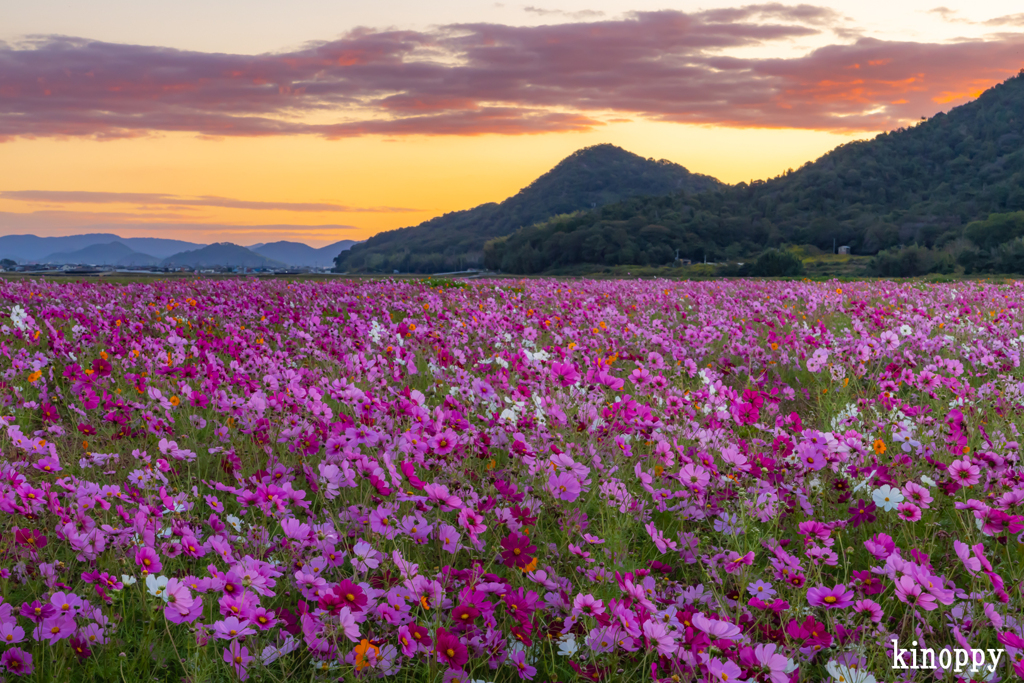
685, 261
844, 250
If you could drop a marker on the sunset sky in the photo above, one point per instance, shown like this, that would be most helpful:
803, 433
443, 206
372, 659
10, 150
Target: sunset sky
320, 120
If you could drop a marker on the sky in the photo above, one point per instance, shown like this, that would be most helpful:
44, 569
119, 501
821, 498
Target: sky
321, 120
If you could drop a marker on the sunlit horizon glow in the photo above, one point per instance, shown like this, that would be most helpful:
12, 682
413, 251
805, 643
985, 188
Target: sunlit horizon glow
378, 126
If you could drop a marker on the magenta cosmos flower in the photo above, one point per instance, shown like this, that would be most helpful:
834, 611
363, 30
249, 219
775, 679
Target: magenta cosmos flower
17, 661
830, 598
450, 650
517, 551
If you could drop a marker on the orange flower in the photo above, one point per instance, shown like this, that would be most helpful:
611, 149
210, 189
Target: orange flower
174, 401
34, 377
879, 446
364, 646
530, 567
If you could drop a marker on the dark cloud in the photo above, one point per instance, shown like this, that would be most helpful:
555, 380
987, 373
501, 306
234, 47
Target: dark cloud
159, 199
475, 79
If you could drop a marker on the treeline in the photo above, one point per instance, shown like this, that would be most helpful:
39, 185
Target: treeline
916, 186
994, 245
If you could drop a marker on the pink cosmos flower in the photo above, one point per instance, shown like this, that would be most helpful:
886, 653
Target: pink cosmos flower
727, 671
909, 592
11, 633
295, 530
564, 487
518, 660
238, 657
714, 627
871, 608
660, 638
908, 512
917, 494
565, 374
964, 472
837, 597
694, 477
57, 627
587, 604
231, 628
148, 560
767, 657
382, 521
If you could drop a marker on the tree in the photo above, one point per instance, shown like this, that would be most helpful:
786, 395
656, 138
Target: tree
775, 263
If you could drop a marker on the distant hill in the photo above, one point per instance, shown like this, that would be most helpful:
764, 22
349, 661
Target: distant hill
914, 186
298, 254
112, 254
29, 248
221, 254
590, 177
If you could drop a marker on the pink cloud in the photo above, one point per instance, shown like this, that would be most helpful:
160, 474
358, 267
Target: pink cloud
160, 199
475, 79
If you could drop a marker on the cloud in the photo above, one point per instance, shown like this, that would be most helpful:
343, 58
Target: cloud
580, 14
159, 199
485, 78
1008, 20
952, 16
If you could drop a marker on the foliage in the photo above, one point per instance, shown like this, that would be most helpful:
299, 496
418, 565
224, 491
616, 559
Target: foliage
776, 262
593, 176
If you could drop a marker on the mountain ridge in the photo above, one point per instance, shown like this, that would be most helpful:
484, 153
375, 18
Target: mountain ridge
591, 176
913, 186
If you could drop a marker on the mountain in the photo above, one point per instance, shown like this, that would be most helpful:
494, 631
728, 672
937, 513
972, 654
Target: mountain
221, 254
914, 186
31, 248
298, 254
112, 254
590, 177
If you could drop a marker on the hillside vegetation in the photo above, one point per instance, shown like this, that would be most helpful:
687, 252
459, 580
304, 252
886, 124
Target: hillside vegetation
590, 177
916, 188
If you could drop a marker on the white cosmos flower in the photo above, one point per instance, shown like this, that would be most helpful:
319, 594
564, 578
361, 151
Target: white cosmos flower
887, 497
128, 580
157, 586
567, 645
842, 673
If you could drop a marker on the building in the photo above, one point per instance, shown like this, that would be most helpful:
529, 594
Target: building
844, 250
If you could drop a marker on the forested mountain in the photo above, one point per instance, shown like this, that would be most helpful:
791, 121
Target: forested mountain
593, 176
919, 185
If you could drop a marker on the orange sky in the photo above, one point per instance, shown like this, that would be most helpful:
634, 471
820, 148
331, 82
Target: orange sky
381, 128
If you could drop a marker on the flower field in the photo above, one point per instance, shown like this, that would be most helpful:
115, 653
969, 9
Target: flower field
502, 481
